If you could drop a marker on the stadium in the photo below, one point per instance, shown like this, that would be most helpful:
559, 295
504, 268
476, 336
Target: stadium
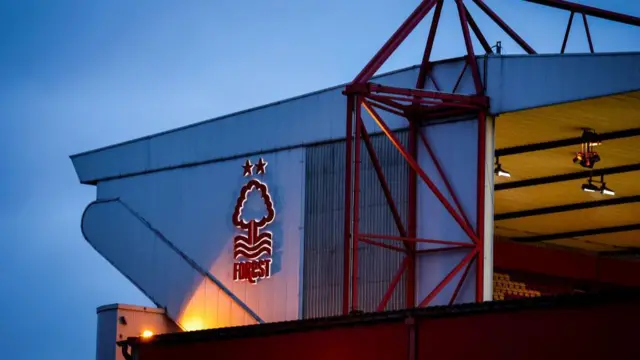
462, 207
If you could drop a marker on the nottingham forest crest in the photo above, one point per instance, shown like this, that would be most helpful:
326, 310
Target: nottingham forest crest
253, 247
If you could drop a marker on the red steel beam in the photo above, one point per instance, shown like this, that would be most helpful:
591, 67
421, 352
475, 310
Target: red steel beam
450, 248
347, 208
470, 58
412, 217
356, 206
383, 181
479, 100
566, 33
448, 278
586, 29
523, 44
382, 245
418, 240
464, 68
447, 184
589, 10
394, 283
425, 104
477, 32
413, 101
385, 108
418, 169
461, 282
396, 39
432, 76
425, 67
391, 101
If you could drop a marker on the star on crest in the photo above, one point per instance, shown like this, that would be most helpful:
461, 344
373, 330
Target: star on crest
261, 166
248, 168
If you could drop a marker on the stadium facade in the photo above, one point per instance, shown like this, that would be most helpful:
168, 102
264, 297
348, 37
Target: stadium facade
247, 219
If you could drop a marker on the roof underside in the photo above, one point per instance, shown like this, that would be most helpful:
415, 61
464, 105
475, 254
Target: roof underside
513, 83
543, 201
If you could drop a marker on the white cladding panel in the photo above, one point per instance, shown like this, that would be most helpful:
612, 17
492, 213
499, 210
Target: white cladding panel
191, 209
455, 147
304, 120
512, 83
529, 81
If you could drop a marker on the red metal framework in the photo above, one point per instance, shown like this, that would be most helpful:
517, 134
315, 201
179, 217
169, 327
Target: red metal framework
418, 105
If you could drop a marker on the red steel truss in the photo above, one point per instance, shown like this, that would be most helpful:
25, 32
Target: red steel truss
417, 105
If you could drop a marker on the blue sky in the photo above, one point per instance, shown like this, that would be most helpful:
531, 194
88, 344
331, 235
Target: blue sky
77, 75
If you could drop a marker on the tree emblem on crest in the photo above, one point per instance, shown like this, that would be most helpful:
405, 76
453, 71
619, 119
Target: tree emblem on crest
252, 249
254, 243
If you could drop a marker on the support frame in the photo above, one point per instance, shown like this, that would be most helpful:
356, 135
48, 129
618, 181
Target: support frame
417, 106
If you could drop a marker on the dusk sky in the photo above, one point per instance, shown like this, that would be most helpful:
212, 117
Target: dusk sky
78, 75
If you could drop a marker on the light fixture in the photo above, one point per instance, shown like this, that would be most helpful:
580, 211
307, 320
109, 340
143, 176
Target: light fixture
606, 191
589, 187
603, 189
147, 334
586, 157
499, 170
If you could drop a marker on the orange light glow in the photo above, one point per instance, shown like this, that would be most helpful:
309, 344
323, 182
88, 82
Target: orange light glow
193, 324
147, 334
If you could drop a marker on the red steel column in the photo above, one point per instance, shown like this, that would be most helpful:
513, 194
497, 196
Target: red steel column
412, 215
356, 205
346, 287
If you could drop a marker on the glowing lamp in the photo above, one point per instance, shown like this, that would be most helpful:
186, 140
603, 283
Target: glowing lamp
499, 170
147, 334
606, 191
589, 187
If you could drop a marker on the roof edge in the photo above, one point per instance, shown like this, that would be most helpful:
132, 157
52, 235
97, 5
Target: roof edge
117, 306
442, 61
222, 117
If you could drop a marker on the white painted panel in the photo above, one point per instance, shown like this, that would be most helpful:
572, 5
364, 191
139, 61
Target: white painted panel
307, 119
166, 279
115, 161
488, 208
512, 83
192, 208
447, 73
522, 82
455, 147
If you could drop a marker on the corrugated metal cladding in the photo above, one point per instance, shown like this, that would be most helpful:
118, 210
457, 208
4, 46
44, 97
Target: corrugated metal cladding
324, 224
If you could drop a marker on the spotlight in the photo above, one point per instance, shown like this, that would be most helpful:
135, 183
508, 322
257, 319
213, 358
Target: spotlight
606, 191
602, 189
578, 158
589, 187
499, 170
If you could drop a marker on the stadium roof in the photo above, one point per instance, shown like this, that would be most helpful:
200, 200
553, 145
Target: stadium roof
513, 83
542, 104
